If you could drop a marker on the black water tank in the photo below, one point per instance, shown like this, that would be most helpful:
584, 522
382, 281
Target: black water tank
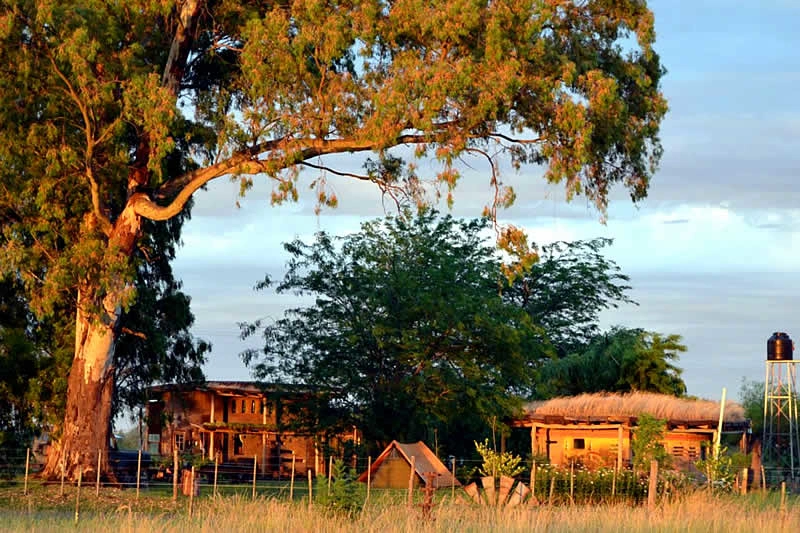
779, 347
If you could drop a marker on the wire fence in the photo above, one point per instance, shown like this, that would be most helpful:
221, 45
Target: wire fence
158, 477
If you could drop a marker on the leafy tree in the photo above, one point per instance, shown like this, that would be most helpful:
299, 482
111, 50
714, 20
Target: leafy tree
648, 443
565, 291
621, 360
407, 327
751, 397
115, 113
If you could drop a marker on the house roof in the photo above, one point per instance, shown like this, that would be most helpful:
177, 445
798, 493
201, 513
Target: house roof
607, 407
425, 461
239, 388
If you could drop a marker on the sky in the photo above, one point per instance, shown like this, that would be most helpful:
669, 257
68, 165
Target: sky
713, 253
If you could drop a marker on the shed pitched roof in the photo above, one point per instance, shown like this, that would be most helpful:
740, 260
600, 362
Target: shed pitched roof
424, 461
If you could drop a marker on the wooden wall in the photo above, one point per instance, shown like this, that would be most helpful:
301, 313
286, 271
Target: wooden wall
599, 447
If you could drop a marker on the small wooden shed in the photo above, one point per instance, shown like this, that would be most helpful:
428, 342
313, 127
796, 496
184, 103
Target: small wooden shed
597, 429
392, 468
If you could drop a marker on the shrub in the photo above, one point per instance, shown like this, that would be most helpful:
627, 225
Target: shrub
344, 496
498, 464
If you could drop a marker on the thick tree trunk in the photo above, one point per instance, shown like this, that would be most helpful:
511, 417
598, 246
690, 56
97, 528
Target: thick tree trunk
85, 430
87, 418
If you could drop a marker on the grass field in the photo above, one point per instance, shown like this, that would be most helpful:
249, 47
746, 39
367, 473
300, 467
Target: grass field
44, 509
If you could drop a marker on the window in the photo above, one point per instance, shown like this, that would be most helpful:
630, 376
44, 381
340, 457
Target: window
179, 441
233, 406
579, 444
252, 407
244, 406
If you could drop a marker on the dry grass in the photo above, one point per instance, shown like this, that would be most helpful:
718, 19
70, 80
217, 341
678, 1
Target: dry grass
634, 404
698, 512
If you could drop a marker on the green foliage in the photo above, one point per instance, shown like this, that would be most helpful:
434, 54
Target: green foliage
720, 470
565, 291
648, 443
751, 397
345, 495
622, 360
406, 328
498, 464
129, 440
19, 365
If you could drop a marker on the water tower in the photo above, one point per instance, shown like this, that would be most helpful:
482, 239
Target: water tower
781, 441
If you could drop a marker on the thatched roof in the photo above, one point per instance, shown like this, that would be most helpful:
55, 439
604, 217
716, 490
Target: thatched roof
599, 406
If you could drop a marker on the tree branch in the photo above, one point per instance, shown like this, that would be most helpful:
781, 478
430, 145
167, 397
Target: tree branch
514, 140
336, 172
282, 153
129, 331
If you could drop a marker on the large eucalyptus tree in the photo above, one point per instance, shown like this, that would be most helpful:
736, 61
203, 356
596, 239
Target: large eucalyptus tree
113, 113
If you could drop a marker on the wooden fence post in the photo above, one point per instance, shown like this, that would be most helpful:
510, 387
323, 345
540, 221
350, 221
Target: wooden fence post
653, 487
291, 480
552, 489
369, 476
572, 482
614, 480
138, 472
216, 470
63, 471
255, 462
191, 492
97, 482
411, 481
453, 484
783, 496
330, 473
745, 474
310, 490
78, 494
175, 475
27, 470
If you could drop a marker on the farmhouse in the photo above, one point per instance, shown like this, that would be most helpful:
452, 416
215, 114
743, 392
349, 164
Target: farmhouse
597, 429
235, 421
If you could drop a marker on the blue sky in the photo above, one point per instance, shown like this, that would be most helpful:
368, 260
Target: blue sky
712, 252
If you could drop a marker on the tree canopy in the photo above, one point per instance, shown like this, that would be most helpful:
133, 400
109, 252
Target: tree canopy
115, 113
620, 360
567, 288
406, 328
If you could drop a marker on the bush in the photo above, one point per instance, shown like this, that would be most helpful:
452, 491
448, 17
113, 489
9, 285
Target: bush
498, 464
344, 496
